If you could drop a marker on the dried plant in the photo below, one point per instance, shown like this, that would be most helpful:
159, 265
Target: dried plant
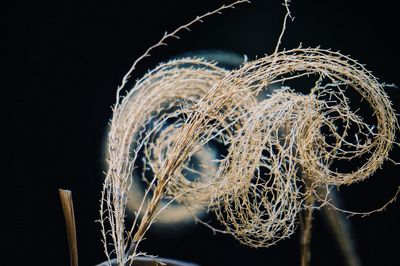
280, 150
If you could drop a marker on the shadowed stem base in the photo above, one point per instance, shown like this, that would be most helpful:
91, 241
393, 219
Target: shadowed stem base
306, 231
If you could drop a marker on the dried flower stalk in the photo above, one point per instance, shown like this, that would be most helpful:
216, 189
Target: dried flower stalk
280, 150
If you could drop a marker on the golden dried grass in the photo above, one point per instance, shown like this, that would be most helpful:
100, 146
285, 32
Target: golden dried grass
280, 149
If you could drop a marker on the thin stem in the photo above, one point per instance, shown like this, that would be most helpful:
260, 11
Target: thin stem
305, 243
68, 209
340, 228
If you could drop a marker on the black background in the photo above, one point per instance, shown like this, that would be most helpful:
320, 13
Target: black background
77, 53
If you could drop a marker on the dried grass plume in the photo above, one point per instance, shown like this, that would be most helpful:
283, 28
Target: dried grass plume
279, 150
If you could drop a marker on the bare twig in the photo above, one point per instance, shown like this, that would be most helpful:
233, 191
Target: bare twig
68, 209
306, 232
341, 230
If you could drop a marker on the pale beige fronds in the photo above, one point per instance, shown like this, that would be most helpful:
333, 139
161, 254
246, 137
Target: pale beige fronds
278, 150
